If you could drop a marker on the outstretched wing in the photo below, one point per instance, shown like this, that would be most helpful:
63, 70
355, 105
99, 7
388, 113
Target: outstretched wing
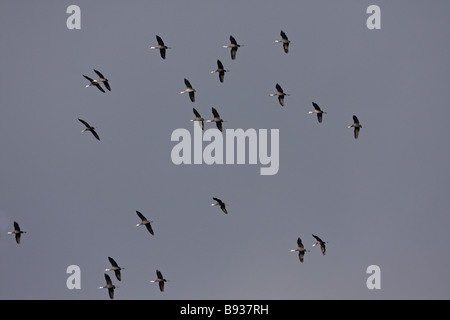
319, 117
196, 113
223, 208
281, 100
99, 87
322, 247
187, 83
108, 279
219, 64
160, 41
107, 85
111, 293
85, 123
17, 236
317, 238
118, 275
215, 113
113, 262
233, 52
141, 216
99, 74
94, 133
163, 53
219, 126
149, 228
90, 79
355, 119
283, 35
299, 243
301, 255
233, 40
356, 132
278, 87
316, 106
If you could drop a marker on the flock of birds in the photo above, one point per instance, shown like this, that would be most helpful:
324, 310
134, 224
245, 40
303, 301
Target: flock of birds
115, 267
301, 248
190, 90
233, 45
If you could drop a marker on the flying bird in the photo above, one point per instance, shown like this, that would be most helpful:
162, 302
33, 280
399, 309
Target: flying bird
285, 41
318, 111
115, 267
301, 250
220, 203
89, 128
103, 79
217, 119
321, 243
109, 286
221, 70
355, 125
189, 89
199, 118
93, 82
234, 47
17, 232
160, 279
145, 222
280, 93
161, 46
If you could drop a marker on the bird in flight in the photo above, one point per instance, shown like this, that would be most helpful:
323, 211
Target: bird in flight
189, 90
301, 249
17, 232
355, 125
280, 93
285, 41
221, 70
89, 128
93, 82
109, 286
220, 203
115, 267
199, 118
103, 79
161, 46
321, 243
318, 111
160, 279
145, 222
234, 47
217, 119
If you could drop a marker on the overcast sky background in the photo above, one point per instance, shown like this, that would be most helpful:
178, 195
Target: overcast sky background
380, 200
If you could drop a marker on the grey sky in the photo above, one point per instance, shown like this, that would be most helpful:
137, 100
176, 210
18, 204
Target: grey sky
379, 200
